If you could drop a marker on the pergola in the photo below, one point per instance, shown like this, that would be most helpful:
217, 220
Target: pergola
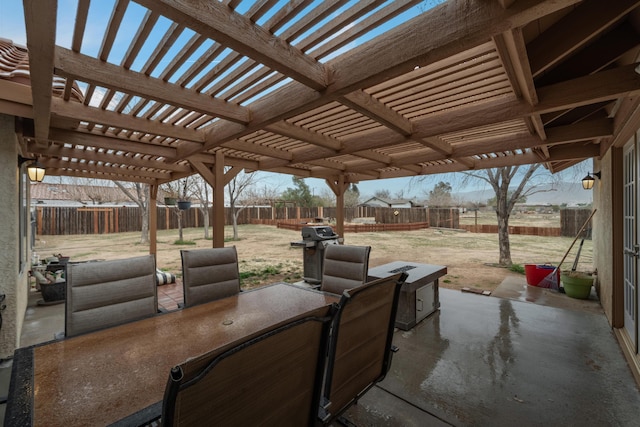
337, 90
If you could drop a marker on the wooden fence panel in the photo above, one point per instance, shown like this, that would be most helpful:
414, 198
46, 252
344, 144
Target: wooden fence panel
53, 220
524, 230
571, 220
443, 217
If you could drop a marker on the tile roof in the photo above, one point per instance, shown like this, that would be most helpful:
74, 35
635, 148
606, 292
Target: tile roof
14, 66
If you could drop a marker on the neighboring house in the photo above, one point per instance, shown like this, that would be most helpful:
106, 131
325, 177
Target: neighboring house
380, 202
47, 194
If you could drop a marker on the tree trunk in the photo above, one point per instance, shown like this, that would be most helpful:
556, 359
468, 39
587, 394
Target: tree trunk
503, 214
180, 235
144, 235
205, 219
144, 212
503, 241
235, 222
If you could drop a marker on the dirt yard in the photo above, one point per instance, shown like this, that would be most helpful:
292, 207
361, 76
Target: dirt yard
266, 255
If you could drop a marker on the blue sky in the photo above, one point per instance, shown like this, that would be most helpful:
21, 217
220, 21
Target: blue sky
12, 27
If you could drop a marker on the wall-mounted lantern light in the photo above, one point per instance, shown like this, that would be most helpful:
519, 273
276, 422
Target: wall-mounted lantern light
589, 180
35, 170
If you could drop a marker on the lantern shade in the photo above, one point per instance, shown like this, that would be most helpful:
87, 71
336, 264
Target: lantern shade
36, 172
588, 181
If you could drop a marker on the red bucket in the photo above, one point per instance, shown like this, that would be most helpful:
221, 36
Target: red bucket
535, 273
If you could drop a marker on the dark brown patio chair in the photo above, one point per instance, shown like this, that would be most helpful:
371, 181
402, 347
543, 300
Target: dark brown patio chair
273, 379
209, 274
108, 293
344, 267
360, 346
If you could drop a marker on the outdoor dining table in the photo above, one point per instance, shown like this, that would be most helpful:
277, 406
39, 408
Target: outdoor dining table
101, 377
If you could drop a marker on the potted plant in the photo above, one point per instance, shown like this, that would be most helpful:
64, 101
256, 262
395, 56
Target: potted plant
577, 284
184, 202
183, 205
171, 193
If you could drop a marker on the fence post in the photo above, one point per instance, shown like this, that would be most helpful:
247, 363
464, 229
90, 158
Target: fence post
39, 210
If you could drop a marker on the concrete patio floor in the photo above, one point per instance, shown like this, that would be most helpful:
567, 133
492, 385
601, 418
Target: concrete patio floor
494, 361
523, 356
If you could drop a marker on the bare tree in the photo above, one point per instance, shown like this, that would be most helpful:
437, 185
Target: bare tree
501, 180
527, 181
351, 197
183, 190
140, 195
382, 193
97, 191
201, 192
238, 188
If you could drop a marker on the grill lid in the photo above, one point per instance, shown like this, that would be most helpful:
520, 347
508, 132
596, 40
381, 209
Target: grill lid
318, 232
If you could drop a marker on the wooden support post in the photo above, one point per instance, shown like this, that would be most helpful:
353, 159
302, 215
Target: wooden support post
218, 180
218, 201
475, 227
339, 187
153, 219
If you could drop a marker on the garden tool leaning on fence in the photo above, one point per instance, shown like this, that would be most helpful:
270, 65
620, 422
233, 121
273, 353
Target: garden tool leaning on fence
552, 281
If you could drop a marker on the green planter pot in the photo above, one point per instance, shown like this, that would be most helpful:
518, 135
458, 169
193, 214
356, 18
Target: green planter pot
576, 284
170, 201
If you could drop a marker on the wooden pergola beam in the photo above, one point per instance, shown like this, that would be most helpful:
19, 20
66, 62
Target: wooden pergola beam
218, 22
40, 22
473, 22
81, 67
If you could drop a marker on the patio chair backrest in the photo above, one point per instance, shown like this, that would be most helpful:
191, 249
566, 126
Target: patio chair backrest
209, 274
360, 347
273, 379
344, 267
108, 293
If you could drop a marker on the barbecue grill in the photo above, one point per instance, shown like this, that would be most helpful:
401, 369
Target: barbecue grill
314, 240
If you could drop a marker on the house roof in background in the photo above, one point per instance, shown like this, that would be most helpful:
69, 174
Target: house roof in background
77, 193
340, 90
391, 202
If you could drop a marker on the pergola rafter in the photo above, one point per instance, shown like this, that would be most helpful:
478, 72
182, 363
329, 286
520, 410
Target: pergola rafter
337, 90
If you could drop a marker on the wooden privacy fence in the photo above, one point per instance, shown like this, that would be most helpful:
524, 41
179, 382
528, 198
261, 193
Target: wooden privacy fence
56, 220
362, 228
528, 231
571, 220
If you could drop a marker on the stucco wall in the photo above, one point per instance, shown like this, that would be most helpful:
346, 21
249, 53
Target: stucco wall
602, 233
607, 233
14, 284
